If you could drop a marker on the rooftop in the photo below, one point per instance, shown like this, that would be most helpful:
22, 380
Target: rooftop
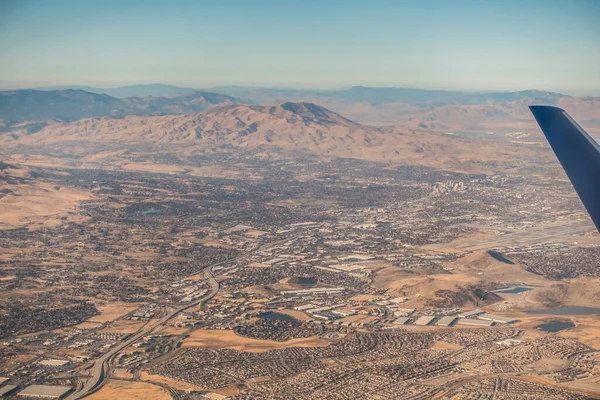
4, 390
47, 391
425, 320
446, 321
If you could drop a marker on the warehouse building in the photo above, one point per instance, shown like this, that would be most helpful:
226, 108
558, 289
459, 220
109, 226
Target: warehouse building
495, 318
425, 320
45, 391
326, 315
471, 314
305, 307
401, 321
474, 322
446, 321
7, 390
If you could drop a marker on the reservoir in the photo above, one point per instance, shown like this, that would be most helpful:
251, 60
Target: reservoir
276, 316
555, 326
568, 311
514, 290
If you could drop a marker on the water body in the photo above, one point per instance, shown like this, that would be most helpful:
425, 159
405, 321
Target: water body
270, 315
568, 311
514, 290
556, 326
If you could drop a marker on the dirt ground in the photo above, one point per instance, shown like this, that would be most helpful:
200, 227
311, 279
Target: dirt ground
258, 265
586, 330
112, 311
38, 202
124, 327
170, 330
299, 315
129, 390
225, 339
363, 297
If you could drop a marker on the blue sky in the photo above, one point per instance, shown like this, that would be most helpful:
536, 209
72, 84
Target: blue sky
442, 44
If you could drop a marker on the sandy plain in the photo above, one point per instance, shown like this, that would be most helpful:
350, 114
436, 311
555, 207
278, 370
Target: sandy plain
130, 390
226, 339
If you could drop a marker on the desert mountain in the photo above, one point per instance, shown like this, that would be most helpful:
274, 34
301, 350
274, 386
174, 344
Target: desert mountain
236, 124
12, 174
183, 103
26, 198
19, 106
32, 105
383, 95
499, 117
152, 89
442, 111
287, 128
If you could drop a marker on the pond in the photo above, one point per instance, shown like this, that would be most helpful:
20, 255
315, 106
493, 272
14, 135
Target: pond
568, 311
276, 316
514, 290
555, 326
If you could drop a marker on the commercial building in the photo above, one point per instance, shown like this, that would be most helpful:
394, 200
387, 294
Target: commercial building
403, 312
7, 390
45, 391
495, 318
318, 309
305, 307
446, 321
343, 313
474, 322
470, 314
326, 315
424, 320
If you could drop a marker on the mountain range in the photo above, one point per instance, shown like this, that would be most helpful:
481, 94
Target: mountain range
288, 129
152, 89
442, 111
361, 94
19, 106
403, 125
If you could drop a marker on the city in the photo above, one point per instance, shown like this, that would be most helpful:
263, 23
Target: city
299, 200
245, 288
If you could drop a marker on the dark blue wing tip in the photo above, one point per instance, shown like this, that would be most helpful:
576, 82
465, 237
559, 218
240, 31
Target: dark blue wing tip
578, 153
534, 108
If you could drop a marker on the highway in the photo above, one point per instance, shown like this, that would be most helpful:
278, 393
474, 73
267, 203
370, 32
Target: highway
101, 366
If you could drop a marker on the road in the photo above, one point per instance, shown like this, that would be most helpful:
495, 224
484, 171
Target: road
101, 367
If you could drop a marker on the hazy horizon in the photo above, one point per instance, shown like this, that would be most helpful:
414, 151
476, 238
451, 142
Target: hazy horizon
465, 45
282, 87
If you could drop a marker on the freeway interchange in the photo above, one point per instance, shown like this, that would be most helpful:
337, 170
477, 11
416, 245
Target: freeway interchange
101, 367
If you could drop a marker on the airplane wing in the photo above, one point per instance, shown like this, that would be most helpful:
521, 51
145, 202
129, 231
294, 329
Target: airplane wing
578, 153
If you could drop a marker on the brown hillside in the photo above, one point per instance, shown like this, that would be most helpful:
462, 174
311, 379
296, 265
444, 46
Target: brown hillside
290, 127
